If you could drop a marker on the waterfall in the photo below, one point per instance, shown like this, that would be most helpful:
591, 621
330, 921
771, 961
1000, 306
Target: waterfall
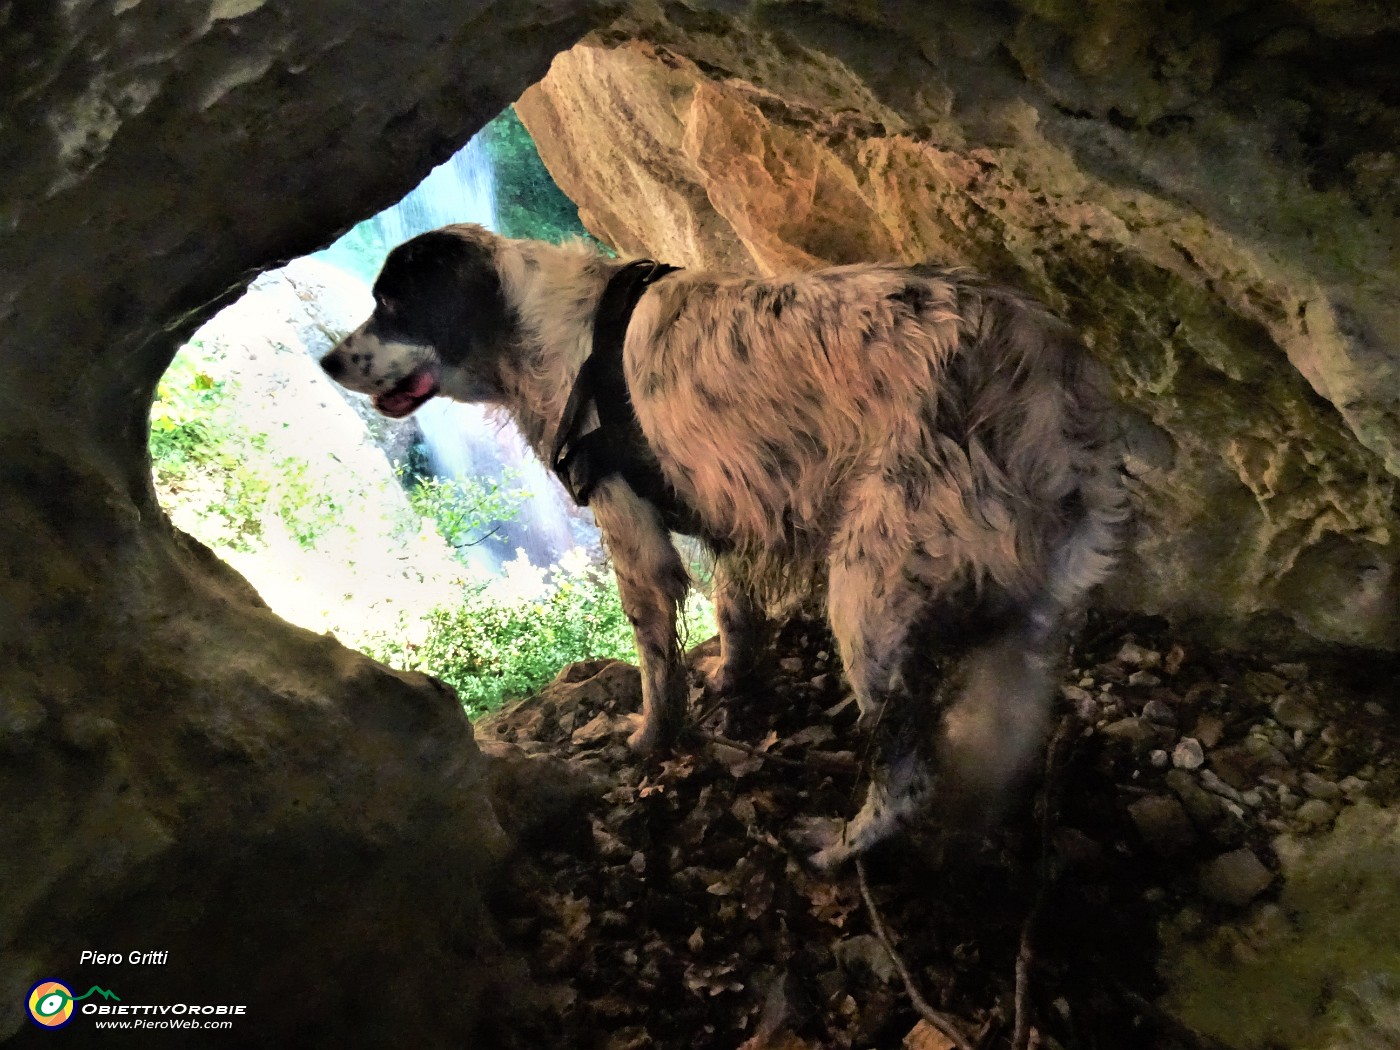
459, 190
460, 440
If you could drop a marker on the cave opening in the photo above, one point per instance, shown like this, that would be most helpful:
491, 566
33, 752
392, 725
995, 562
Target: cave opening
396, 536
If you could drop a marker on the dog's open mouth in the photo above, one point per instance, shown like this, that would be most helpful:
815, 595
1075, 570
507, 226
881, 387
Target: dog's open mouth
408, 393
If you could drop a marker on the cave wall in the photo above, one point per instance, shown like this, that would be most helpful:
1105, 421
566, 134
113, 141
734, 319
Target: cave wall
1209, 194
305, 832
1210, 197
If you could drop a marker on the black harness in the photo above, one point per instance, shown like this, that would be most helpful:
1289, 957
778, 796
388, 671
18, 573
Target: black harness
617, 445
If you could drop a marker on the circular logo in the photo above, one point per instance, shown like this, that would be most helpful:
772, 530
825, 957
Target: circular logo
51, 1004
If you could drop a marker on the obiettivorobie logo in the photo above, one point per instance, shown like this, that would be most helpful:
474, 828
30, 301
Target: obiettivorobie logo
51, 1002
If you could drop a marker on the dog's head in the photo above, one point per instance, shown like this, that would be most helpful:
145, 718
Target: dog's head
440, 319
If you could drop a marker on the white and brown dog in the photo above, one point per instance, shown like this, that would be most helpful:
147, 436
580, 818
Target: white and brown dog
924, 449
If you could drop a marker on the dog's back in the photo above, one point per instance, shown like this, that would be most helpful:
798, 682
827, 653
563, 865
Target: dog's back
777, 406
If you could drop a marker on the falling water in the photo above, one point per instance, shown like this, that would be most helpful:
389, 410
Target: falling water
459, 190
460, 440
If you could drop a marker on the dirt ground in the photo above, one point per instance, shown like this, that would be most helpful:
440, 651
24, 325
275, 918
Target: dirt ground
663, 904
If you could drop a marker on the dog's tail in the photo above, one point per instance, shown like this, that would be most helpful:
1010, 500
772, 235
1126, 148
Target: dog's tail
1087, 555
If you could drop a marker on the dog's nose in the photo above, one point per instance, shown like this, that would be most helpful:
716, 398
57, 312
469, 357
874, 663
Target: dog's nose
334, 364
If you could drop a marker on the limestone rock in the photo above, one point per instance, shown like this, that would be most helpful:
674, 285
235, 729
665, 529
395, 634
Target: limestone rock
1333, 939
1235, 878
302, 830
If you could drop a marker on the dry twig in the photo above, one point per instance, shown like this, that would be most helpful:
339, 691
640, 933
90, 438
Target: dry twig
827, 761
1047, 809
942, 1022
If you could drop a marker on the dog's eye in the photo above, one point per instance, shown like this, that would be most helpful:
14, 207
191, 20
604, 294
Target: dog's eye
385, 306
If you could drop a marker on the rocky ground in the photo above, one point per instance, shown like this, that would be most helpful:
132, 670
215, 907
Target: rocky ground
661, 905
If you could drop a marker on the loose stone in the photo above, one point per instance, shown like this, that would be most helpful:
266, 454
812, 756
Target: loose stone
1235, 878
1188, 754
1295, 713
1159, 712
1316, 812
1317, 787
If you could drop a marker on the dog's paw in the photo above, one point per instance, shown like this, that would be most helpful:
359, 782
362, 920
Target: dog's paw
869, 718
822, 843
651, 737
717, 677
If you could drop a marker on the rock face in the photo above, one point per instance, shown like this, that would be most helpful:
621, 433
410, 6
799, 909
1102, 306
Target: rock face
310, 835
303, 831
1211, 198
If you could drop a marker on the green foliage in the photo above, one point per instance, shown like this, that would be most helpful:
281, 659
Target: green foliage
205, 461
183, 427
528, 202
493, 647
506, 639
463, 509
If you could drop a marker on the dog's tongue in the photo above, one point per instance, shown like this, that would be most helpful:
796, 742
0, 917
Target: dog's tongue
408, 395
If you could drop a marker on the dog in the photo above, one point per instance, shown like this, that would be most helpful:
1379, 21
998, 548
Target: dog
925, 450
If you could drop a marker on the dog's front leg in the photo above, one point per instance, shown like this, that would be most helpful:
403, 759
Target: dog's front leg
652, 581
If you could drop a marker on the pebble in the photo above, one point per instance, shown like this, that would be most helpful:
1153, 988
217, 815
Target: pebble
1295, 713
1235, 878
1373, 708
1159, 712
1215, 785
1175, 658
791, 664
1076, 694
1136, 731
1316, 812
1210, 730
1137, 656
1253, 798
1143, 678
1352, 787
1188, 754
1163, 824
1286, 799
1159, 759
1317, 787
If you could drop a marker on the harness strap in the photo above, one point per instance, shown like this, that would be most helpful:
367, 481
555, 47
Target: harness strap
617, 445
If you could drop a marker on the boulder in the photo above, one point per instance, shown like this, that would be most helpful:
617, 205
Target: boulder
302, 831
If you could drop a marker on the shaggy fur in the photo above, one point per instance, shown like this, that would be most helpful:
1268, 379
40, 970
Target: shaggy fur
922, 447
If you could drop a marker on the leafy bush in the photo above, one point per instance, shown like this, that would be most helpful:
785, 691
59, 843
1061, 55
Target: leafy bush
528, 202
508, 638
493, 646
463, 509
205, 461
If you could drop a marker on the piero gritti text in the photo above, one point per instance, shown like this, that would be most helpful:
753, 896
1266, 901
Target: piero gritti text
133, 958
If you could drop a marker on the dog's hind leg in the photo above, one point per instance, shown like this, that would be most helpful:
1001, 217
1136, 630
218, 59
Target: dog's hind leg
873, 601
740, 618
651, 581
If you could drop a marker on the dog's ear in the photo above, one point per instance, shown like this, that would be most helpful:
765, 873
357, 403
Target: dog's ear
423, 268
442, 289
